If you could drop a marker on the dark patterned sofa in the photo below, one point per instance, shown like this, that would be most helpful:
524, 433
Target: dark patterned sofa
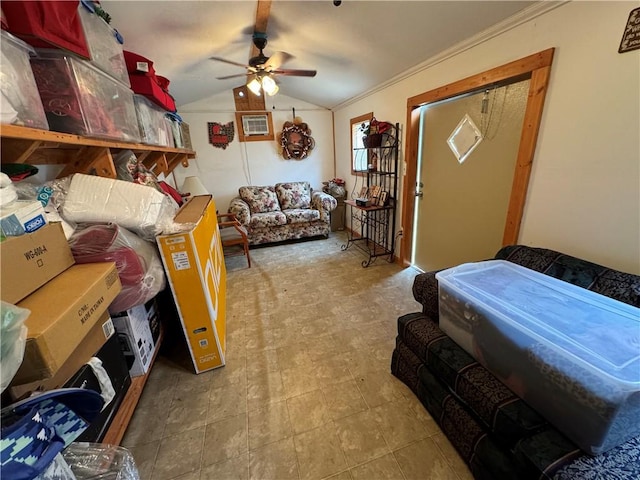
286, 211
497, 434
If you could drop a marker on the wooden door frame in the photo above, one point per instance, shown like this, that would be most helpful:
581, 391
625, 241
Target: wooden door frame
537, 68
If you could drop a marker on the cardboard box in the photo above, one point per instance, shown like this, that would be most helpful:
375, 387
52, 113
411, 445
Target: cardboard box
94, 341
21, 217
148, 310
153, 318
63, 312
31, 260
195, 267
136, 340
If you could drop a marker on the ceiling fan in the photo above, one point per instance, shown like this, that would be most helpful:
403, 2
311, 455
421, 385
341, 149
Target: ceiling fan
261, 69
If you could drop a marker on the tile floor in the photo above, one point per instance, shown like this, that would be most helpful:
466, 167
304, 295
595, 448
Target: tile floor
307, 391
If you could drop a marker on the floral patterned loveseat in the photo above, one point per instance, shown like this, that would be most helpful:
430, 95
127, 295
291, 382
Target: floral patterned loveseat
286, 211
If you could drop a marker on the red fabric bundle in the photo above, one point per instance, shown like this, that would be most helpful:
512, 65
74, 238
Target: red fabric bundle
163, 82
147, 83
46, 24
137, 64
148, 87
137, 261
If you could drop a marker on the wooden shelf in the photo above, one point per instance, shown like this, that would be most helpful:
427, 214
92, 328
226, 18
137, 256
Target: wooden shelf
367, 209
92, 156
83, 154
127, 408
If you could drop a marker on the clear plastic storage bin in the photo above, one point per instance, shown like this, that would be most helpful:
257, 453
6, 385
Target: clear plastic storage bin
20, 103
154, 130
81, 99
572, 354
174, 125
106, 51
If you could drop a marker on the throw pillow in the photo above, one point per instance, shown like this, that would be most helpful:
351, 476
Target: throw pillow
260, 199
294, 195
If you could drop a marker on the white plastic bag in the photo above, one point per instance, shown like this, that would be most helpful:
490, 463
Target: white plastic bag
8, 192
139, 208
13, 337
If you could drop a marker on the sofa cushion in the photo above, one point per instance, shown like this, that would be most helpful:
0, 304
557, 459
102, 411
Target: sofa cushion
425, 292
460, 426
260, 199
294, 195
267, 219
544, 455
301, 215
624, 287
622, 461
500, 410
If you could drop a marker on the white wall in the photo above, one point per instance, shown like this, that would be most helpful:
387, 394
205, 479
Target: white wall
584, 192
255, 163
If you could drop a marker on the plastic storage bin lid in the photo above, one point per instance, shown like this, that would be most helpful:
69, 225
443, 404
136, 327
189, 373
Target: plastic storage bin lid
596, 331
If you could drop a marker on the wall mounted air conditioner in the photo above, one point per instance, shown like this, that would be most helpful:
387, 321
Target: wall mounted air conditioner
255, 124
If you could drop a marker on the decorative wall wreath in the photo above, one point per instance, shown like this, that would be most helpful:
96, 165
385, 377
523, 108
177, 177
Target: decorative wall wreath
296, 140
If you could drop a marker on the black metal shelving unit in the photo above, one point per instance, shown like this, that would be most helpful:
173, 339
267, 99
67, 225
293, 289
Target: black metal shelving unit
372, 227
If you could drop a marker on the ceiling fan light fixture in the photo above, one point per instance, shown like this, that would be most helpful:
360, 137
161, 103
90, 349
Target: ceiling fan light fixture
254, 85
269, 85
261, 69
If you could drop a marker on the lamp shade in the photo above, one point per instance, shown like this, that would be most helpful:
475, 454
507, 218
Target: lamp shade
193, 186
269, 85
254, 85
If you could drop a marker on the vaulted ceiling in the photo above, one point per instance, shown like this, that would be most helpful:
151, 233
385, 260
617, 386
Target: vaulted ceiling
354, 46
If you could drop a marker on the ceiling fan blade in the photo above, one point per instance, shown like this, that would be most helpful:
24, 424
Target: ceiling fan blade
276, 60
226, 77
295, 73
230, 62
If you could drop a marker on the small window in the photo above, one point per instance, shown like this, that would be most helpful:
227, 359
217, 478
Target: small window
359, 157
